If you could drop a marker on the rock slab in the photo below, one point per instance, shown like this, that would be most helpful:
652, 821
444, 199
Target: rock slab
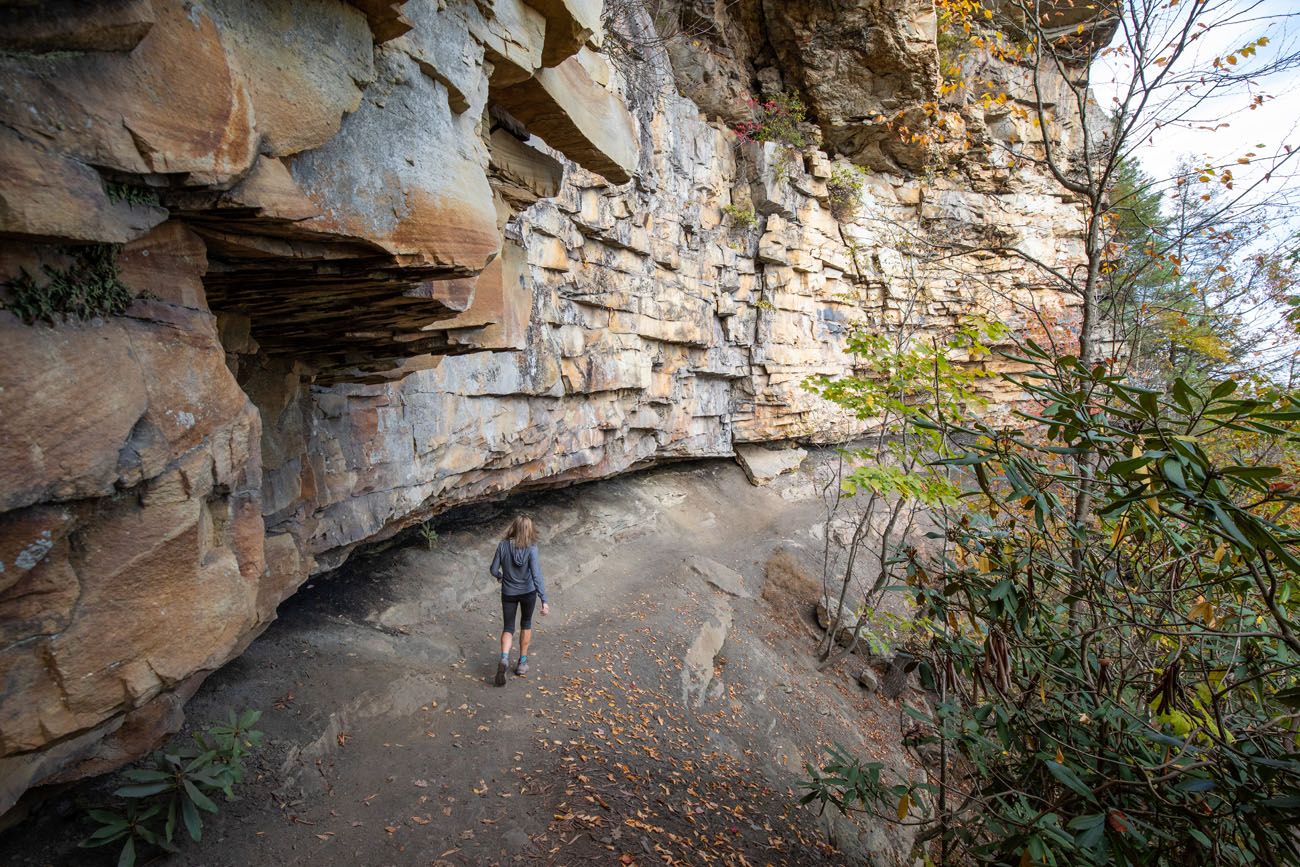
763, 465
723, 578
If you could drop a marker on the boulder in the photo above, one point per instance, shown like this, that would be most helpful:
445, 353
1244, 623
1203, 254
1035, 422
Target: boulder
762, 465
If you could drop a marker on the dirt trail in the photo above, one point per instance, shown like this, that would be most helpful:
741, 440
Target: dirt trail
666, 720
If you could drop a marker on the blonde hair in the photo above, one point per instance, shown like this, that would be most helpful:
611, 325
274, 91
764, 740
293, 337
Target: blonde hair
522, 533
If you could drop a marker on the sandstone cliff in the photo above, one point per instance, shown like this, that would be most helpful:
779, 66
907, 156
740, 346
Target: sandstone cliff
390, 257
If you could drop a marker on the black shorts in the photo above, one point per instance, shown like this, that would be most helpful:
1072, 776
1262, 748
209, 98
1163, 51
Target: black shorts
526, 602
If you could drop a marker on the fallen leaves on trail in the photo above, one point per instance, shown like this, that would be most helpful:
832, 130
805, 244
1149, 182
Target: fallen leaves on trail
639, 764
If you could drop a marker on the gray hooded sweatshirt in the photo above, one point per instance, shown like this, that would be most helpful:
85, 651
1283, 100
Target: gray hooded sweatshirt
518, 569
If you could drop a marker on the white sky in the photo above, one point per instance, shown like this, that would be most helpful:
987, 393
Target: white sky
1263, 131
1276, 123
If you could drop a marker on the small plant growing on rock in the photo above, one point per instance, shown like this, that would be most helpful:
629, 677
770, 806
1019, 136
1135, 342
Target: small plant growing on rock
778, 119
174, 787
843, 189
87, 288
741, 218
130, 193
429, 535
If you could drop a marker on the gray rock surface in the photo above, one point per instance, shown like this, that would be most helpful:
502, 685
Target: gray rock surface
762, 465
723, 578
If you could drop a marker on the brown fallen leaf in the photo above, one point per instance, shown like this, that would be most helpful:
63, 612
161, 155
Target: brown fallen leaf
421, 784
343, 738
325, 836
392, 829
417, 820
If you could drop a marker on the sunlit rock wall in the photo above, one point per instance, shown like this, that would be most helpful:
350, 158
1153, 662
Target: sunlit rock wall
391, 257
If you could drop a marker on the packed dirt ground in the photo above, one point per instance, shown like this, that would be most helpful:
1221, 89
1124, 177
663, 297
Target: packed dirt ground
672, 704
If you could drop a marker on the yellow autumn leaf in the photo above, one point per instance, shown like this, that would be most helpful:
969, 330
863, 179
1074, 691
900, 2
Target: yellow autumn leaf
904, 805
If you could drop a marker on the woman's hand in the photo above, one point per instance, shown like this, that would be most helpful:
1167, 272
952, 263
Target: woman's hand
546, 609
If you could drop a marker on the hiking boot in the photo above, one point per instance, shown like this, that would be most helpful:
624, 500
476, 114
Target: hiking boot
521, 668
501, 673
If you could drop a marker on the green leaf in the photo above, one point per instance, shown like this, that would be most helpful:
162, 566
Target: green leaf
169, 828
1285, 802
142, 790
127, 856
193, 822
1289, 697
1125, 468
96, 840
107, 817
202, 801
145, 775
1069, 779
1252, 472
1173, 471
1196, 786
1091, 837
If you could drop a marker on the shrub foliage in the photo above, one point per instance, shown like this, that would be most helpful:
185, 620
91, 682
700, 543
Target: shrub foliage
1112, 640
175, 787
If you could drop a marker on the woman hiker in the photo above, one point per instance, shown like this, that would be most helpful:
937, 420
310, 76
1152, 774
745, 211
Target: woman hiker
518, 568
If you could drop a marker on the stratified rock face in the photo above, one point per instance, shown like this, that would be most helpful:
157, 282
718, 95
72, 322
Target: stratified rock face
391, 257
